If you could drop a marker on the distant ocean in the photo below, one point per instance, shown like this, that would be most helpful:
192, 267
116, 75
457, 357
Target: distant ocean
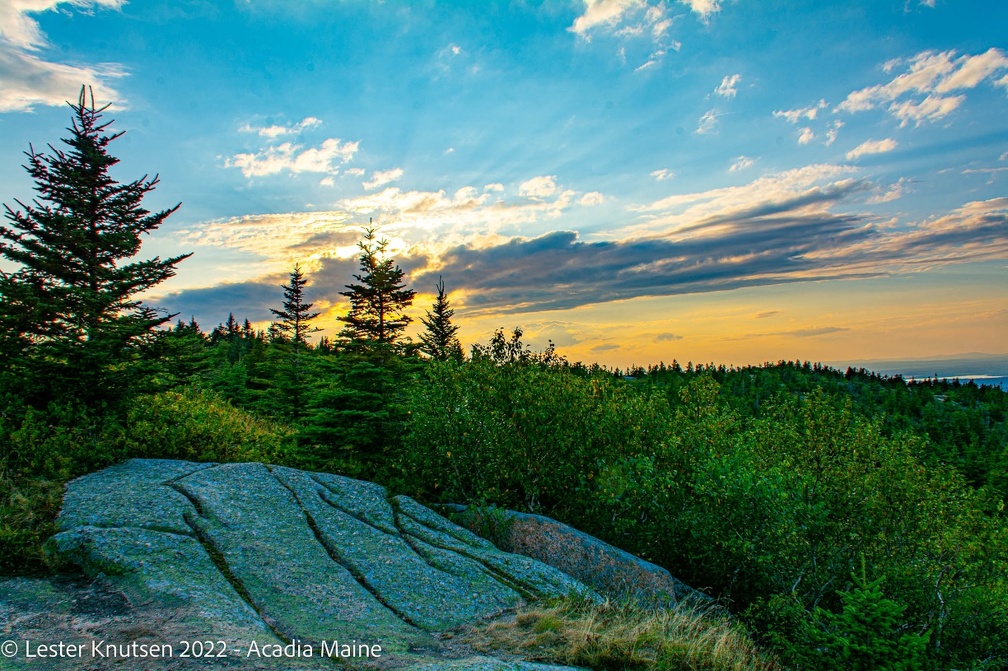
981, 380
983, 369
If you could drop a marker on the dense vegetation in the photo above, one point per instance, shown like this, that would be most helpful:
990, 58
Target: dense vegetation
852, 521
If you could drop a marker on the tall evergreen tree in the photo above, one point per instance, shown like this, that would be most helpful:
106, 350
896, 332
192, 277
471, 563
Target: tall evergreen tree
379, 297
290, 333
73, 327
295, 316
439, 339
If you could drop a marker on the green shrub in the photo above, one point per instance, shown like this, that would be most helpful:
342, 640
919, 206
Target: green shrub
200, 426
523, 435
41, 450
868, 634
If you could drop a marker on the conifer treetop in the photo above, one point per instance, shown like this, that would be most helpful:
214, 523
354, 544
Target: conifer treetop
379, 297
70, 240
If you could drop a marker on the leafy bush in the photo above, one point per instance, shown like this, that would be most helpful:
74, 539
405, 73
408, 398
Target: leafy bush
522, 435
199, 426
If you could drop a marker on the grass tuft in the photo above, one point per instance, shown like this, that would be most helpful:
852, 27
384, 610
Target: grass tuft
611, 635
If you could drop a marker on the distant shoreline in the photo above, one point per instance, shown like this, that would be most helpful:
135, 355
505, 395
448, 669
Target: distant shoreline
983, 369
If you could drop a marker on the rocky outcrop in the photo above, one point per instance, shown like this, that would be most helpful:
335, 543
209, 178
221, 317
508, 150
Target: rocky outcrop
267, 567
612, 572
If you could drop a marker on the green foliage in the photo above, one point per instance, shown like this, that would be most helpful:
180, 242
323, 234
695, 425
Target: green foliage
867, 635
236, 358
73, 328
357, 413
966, 426
199, 426
484, 432
28, 508
289, 335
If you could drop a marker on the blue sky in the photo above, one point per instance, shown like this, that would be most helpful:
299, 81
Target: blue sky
704, 180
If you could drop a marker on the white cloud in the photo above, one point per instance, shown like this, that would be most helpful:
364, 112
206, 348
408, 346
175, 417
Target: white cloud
871, 147
592, 198
382, 177
275, 130
806, 136
1003, 157
399, 203
23, 32
973, 70
652, 61
894, 192
703, 8
663, 174
707, 122
28, 79
628, 20
495, 186
466, 217
931, 108
768, 189
538, 187
833, 131
972, 232
922, 92
356, 172
603, 13
270, 236
293, 158
727, 86
741, 163
796, 115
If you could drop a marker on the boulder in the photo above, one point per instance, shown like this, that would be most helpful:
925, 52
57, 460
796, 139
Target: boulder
264, 567
607, 569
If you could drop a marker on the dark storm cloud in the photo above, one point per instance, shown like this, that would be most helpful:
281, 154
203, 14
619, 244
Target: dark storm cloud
558, 270
211, 306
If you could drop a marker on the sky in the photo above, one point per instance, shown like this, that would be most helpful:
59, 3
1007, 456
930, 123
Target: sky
723, 181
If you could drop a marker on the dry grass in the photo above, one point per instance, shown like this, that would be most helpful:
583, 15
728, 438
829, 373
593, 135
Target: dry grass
623, 636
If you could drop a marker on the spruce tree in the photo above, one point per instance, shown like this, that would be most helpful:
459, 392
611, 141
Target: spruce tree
73, 327
295, 316
379, 297
289, 335
439, 339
